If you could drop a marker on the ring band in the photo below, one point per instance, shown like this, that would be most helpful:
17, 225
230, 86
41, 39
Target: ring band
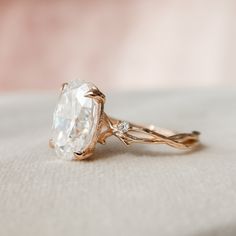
79, 123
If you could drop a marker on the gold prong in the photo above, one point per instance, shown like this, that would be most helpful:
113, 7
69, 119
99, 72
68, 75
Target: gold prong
64, 85
51, 144
82, 155
96, 94
102, 142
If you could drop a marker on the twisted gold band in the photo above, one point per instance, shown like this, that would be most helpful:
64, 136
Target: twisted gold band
130, 133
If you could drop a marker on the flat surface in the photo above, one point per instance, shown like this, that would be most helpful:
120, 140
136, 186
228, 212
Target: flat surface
141, 190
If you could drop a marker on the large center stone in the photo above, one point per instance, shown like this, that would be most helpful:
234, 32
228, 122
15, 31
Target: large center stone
75, 120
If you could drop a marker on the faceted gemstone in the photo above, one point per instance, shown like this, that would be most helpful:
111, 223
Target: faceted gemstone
123, 126
75, 120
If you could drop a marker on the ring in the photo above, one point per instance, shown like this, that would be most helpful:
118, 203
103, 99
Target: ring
79, 123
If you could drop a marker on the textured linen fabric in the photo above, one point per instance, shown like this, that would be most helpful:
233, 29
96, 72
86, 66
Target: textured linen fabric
139, 190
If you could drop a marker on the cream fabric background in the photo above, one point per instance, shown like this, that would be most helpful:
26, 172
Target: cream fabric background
140, 190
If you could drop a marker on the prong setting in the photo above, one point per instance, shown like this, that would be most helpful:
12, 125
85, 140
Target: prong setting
63, 87
96, 94
83, 155
50, 143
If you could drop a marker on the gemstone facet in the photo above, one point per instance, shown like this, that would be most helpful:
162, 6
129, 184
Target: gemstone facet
75, 120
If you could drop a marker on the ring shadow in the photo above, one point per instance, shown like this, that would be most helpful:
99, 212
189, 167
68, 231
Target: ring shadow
113, 148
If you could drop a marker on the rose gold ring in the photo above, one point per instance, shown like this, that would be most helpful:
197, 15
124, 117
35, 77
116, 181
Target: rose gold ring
79, 123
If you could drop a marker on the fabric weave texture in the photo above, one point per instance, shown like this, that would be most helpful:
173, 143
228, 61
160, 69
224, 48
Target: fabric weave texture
137, 190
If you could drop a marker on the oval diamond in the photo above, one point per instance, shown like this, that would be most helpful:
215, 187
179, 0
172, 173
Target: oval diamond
75, 120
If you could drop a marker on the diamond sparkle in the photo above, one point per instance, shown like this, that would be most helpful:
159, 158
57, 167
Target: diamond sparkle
123, 126
75, 120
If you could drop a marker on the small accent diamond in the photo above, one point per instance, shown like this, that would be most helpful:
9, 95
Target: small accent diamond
123, 126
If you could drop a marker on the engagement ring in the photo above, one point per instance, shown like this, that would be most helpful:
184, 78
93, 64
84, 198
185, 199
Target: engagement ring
79, 123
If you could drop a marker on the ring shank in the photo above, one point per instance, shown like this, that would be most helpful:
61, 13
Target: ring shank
147, 135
